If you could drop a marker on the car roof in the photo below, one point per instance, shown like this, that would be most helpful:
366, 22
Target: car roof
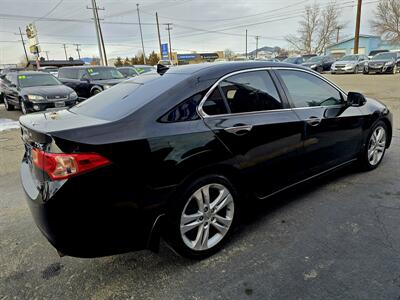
30, 72
87, 67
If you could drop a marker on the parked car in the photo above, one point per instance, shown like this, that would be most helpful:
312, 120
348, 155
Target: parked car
174, 155
386, 62
297, 60
136, 70
33, 91
319, 63
11, 69
166, 63
375, 52
90, 80
349, 64
49, 69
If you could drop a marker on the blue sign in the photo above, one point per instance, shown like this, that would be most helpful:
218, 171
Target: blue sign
187, 56
164, 50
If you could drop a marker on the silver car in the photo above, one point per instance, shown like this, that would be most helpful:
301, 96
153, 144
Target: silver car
349, 64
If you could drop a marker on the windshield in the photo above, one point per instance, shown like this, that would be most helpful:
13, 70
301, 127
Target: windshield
104, 73
144, 69
37, 80
290, 59
127, 72
385, 55
50, 70
315, 59
349, 58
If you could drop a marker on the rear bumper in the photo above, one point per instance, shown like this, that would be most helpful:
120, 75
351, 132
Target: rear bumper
91, 216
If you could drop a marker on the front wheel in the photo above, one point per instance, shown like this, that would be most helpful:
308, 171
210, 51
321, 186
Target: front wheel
375, 148
202, 218
23, 107
394, 69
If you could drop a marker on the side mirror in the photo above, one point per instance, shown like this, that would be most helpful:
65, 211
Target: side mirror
355, 99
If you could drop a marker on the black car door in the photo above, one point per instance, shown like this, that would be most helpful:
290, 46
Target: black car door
72, 77
11, 88
332, 130
250, 115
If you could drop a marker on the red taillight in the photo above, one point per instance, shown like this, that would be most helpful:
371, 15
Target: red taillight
62, 166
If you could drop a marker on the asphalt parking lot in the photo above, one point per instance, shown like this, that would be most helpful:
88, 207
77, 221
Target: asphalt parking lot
335, 238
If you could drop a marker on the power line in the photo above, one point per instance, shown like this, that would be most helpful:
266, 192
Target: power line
50, 11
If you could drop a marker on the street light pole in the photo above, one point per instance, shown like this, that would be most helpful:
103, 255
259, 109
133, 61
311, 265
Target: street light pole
246, 43
169, 40
23, 45
141, 34
159, 35
97, 32
257, 37
357, 33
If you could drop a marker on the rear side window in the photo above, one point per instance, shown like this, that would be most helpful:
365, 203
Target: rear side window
307, 90
185, 111
69, 73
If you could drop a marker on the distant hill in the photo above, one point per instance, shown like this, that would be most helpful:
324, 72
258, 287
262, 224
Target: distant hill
266, 49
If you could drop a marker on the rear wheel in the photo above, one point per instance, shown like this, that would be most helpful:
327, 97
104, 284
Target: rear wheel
201, 220
375, 147
95, 92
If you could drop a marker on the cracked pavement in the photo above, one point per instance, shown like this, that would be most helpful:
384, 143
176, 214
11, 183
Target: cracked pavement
335, 238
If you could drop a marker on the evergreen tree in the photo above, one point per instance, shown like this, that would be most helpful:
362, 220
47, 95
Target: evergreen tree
118, 63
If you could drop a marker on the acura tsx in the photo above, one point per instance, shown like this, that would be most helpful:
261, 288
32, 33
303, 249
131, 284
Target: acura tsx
177, 155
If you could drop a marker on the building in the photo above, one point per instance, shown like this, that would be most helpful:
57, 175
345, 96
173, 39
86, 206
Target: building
55, 63
367, 43
192, 58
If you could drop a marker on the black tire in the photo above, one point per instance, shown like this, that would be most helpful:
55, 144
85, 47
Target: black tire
95, 92
365, 72
24, 110
320, 70
364, 160
9, 107
173, 233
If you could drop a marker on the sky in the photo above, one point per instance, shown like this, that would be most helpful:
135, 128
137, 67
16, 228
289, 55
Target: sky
197, 25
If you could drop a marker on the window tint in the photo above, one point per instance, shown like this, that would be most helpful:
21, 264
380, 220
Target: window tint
185, 111
307, 90
215, 104
252, 91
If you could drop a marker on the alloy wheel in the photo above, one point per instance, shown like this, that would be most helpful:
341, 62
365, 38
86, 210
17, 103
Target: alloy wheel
376, 146
23, 108
207, 217
5, 103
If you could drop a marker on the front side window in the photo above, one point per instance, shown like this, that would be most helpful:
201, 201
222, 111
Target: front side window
307, 90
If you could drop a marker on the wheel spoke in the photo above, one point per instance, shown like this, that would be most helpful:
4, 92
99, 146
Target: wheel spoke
190, 218
199, 199
223, 203
221, 228
223, 221
370, 153
205, 192
187, 227
197, 243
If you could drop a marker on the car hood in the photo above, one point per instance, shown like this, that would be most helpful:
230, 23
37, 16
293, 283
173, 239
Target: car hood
381, 60
108, 81
345, 62
309, 64
48, 90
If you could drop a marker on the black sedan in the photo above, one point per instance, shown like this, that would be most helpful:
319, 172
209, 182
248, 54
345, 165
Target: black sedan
386, 62
179, 155
319, 63
35, 91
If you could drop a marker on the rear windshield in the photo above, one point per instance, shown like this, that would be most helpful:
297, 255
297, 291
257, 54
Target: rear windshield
128, 96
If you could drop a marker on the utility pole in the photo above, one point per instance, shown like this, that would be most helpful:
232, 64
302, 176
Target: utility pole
101, 33
169, 28
78, 50
23, 45
47, 54
65, 51
159, 36
141, 34
257, 37
357, 33
97, 31
246, 43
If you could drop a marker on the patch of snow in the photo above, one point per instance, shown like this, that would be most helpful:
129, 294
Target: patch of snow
7, 124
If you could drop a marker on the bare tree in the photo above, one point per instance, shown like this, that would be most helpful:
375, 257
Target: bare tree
229, 54
387, 20
317, 29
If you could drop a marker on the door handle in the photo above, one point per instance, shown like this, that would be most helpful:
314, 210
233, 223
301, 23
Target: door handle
239, 129
314, 121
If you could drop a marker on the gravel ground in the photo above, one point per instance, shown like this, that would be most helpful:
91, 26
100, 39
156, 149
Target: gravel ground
335, 238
